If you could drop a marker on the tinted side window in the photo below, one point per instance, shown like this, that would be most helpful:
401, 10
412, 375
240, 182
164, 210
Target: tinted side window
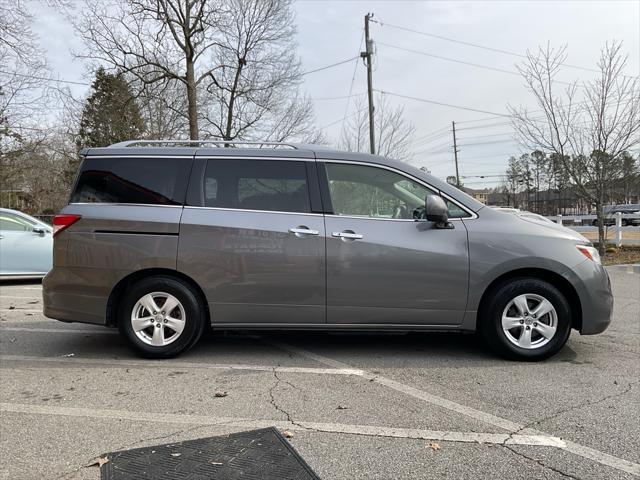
274, 185
359, 190
160, 181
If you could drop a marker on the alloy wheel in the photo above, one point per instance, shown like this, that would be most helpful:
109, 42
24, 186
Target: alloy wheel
529, 321
158, 319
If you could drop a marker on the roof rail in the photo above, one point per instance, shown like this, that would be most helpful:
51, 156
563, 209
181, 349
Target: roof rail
201, 143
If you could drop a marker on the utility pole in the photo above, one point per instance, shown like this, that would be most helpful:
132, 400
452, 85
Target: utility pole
455, 154
367, 57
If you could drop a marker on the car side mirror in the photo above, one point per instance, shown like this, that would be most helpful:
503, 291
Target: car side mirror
40, 231
436, 211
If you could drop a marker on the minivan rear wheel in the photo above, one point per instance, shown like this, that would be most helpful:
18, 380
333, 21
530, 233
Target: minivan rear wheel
161, 317
526, 319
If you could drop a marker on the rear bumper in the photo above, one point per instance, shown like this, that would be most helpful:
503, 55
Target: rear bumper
68, 298
594, 289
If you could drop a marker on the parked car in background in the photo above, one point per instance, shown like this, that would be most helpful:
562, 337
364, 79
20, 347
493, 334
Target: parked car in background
26, 246
165, 239
610, 215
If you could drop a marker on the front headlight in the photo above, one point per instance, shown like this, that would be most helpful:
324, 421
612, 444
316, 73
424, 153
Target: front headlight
590, 252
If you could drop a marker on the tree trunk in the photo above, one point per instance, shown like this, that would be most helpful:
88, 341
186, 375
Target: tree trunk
192, 101
601, 236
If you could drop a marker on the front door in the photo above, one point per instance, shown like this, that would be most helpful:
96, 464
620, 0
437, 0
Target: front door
384, 267
255, 245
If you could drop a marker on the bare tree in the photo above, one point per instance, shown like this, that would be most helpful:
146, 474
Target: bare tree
154, 41
394, 133
587, 134
254, 92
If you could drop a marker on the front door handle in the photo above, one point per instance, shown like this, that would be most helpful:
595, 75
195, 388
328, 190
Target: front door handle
302, 231
347, 234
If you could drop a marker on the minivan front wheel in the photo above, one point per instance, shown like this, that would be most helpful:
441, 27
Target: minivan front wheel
526, 319
161, 317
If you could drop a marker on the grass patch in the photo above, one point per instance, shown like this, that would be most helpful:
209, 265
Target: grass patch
621, 255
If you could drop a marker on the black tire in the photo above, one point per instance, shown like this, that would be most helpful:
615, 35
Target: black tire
194, 322
498, 300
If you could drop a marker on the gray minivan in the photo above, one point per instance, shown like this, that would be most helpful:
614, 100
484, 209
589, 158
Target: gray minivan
164, 239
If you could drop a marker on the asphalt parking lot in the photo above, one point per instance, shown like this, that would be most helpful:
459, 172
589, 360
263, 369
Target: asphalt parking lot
359, 406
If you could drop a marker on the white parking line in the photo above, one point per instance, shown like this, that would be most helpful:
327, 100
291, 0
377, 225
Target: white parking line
419, 434
79, 361
581, 450
32, 297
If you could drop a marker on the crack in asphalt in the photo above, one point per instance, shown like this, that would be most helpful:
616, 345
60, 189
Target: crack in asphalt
574, 408
540, 462
278, 408
555, 415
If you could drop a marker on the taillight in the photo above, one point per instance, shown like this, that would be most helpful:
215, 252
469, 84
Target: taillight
60, 222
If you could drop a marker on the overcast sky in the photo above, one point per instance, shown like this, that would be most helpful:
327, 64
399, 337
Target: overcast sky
331, 31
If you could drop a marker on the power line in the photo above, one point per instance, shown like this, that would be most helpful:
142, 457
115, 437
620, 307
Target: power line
338, 98
485, 136
384, 92
448, 59
344, 118
491, 142
72, 82
353, 78
475, 45
46, 79
328, 66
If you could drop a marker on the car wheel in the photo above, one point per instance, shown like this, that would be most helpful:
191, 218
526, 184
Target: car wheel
161, 317
526, 319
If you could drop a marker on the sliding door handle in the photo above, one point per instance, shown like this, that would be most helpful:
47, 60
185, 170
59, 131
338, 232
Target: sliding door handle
347, 235
302, 231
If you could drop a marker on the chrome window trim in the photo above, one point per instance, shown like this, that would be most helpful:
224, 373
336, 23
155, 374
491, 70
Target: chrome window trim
473, 215
118, 204
247, 157
253, 211
87, 157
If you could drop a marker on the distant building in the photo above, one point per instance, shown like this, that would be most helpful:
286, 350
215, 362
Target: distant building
479, 195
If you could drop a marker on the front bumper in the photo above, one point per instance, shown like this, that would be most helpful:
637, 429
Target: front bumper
593, 285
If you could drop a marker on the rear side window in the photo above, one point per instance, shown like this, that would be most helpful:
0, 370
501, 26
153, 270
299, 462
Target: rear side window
158, 181
273, 185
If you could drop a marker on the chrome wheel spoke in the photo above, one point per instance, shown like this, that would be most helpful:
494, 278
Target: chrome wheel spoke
511, 322
175, 324
170, 304
524, 340
158, 336
149, 303
521, 304
543, 308
547, 331
141, 323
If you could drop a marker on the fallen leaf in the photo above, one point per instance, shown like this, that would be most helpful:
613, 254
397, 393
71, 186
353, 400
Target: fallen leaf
98, 462
216, 463
176, 454
220, 394
434, 446
287, 434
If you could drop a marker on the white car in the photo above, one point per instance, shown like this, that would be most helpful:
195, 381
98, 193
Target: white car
26, 246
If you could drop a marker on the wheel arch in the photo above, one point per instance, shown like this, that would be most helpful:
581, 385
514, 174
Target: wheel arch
555, 279
118, 290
